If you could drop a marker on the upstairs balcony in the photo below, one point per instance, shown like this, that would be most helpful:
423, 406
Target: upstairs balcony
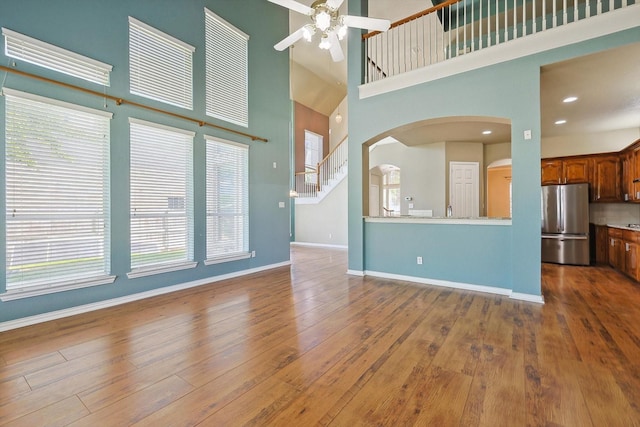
453, 29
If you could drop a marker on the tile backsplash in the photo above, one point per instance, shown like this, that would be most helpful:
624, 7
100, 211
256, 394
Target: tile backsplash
614, 213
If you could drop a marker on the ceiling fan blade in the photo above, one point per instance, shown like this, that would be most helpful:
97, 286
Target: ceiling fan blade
289, 40
294, 5
336, 50
334, 4
367, 23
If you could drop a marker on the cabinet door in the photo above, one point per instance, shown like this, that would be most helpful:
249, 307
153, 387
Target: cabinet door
551, 172
628, 193
635, 158
631, 259
602, 244
606, 179
575, 171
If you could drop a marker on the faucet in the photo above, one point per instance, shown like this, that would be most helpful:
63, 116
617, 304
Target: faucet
449, 211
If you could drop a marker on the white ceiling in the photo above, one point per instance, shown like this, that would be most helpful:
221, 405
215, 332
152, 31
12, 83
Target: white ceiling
606, 84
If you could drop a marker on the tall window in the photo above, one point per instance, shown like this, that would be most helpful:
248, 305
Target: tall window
57, 195
161, 198
391, 192
227, 70
160, 66
227, 200
312, 150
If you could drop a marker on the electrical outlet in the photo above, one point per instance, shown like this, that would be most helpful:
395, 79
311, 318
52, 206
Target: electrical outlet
330, 235
253, 254
419, 260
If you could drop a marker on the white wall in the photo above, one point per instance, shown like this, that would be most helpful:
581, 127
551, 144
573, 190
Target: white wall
602, 142
325, 222
422, 173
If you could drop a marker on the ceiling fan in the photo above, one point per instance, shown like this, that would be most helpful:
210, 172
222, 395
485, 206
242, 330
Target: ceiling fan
326, 20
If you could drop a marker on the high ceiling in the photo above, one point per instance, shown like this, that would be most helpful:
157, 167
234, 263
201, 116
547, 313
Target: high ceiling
606, 84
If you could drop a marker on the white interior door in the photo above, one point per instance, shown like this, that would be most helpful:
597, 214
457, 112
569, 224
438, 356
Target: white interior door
374, 200
464, 189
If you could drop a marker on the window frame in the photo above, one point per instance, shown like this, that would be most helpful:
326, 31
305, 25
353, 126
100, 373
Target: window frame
59, 219
219, 62
167, 84
244, 252
52, 57
171, 265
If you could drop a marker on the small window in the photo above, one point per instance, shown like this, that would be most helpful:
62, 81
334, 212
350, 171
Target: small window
160, 66
227, 199
55, 58
161, 198
57, 196
227, 80
391, 192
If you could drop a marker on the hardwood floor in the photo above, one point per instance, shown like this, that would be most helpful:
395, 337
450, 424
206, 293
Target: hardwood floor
311, 345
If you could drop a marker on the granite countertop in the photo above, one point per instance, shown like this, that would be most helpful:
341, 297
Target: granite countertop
410, 219
624, 227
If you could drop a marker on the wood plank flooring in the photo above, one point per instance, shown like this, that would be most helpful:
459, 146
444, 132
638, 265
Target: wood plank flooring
310, 345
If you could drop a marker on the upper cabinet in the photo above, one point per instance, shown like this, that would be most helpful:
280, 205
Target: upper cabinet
565, 171
605, 184
603, 173
630, 159
612, 177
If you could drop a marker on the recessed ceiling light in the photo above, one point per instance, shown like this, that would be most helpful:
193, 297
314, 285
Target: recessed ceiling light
570, 99
486, 132
561, 122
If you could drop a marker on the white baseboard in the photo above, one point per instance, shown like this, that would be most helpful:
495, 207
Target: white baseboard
319, 245
72, 311
459, 285
356, 273
527, 297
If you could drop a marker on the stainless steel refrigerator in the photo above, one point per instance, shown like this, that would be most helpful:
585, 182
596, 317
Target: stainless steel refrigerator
565, 224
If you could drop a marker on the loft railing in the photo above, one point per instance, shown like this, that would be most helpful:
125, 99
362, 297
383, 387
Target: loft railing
459, 27
333, 166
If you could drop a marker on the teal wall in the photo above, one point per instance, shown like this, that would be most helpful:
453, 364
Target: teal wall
99, 29
505, 257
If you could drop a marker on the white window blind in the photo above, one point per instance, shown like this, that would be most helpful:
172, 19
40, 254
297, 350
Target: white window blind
227, 175
57, 195
161, 197
55, 58
227, 81
160, 66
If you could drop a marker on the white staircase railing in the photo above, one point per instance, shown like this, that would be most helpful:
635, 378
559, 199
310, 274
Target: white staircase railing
455, 28
331, 168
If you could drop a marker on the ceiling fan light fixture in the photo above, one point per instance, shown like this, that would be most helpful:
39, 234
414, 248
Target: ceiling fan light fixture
325, 44
307, 32
341, 31
322, 20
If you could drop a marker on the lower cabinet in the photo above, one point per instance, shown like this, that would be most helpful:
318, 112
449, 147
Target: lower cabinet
616, 249
623, 251
601, 244
630, 242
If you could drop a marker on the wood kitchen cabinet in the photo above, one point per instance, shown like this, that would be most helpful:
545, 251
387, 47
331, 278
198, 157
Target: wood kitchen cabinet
601, 244
551, 171
616, 249
606, 181
628, 190
565, 171
630, 265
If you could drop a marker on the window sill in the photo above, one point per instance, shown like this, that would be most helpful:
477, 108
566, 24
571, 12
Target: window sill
234, 257
28, 292
159, 269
